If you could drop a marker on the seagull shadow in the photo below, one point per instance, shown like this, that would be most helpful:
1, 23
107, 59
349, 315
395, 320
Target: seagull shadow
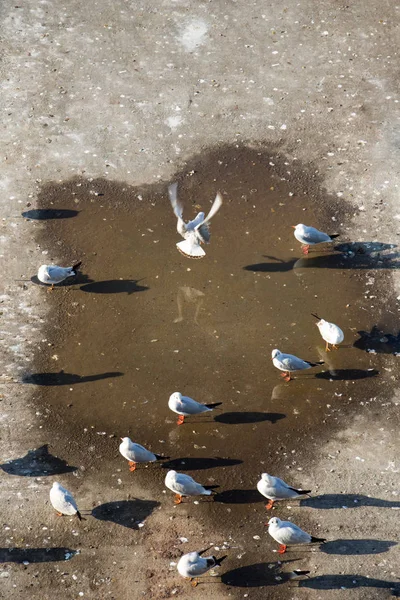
42, 214
128, 513
37, 463
236, 418
257, 575
62, 378
194, 464
114, 286
356, 547
35, 555
337, 582
377, 340
239, 497
358, 259
328, 501
347, 374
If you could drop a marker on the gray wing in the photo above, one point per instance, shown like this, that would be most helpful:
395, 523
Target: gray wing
289, 533
293, 363
173, 198
314, 236
203, 228
188, 485
191, 407
59, 273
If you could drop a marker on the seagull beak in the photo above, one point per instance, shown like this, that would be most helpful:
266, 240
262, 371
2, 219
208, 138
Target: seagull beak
122, 439
294, 226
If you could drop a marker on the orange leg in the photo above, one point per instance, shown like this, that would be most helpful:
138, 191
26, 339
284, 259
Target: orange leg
305, 249
269, 505
327, 349
282, 549
50, 289
194, 582
286, 376
334, 347
132, 465
180, 420
178, 499
59, 514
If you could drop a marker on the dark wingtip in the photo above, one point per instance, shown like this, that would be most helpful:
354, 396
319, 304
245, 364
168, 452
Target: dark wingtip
161, 457
76, 265
316, 316
320, 540
78, 514
218, 561
214, 404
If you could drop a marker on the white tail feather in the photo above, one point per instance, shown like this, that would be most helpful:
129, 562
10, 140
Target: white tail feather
190, 249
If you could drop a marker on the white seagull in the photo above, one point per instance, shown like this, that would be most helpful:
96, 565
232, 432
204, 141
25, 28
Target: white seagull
194, 232
193, 565
309, 236
52, 274
184, 485
289, 363
289, 534
63, 501
330, 333
135, 453
185, 406
276, 489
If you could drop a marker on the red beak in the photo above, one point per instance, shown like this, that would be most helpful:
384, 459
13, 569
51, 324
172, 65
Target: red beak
294, 226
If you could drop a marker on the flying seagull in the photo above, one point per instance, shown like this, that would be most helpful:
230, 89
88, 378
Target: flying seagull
194, 232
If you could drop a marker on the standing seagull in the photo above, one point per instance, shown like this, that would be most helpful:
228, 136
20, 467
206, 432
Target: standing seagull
135, 453
289, 363
193, 565
288, 534
184, 485
185, 406
309, 236
276, 489
51, 274
194, 232
330, 333
63, 501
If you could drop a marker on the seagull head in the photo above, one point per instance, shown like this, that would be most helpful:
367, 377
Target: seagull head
56, 485
265, 476
275, 522
126, 440
176, 396
275, 353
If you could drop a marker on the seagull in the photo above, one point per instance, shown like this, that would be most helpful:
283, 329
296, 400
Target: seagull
309, 236
289, 363
288, 534
185, 406
135, 453
330, 333
194, 232
184, 485
193, 565
276, 489
63, 501
52, 274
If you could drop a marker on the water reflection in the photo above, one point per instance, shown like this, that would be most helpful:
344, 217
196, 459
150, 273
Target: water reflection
189, 295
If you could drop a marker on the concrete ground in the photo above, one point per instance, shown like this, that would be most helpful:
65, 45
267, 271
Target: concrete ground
129, 92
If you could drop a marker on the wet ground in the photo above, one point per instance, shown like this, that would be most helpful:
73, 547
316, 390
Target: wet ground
142, 321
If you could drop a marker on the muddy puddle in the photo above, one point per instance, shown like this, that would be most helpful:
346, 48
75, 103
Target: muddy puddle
143, 321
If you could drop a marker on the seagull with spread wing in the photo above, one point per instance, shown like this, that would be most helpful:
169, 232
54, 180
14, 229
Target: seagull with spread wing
194, 232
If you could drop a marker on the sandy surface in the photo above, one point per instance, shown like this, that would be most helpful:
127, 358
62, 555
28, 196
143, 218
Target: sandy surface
119, 101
